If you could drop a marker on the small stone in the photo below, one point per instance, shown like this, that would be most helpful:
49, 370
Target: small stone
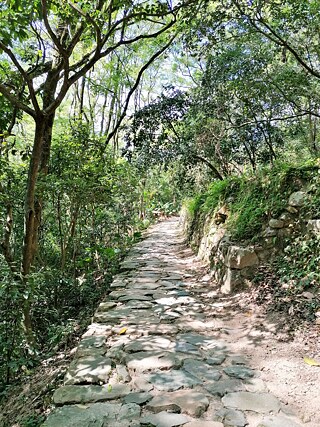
231, 417
276, 223
187, 401
256, 402
165, 419
172, 380
106, 306
292, 210
240, 372
270, 232
138, 398
123, 374
278, 422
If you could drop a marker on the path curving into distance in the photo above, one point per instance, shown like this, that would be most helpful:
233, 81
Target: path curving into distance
152, 357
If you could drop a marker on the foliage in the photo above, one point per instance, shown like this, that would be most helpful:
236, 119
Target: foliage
253, 199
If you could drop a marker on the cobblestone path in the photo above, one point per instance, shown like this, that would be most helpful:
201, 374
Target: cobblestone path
152, 357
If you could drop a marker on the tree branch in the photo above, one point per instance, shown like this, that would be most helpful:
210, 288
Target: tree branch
16, 102
134, 87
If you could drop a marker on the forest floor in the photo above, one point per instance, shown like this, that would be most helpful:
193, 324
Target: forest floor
247, 339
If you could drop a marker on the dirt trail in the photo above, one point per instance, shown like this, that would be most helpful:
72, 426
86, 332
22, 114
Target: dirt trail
167, 349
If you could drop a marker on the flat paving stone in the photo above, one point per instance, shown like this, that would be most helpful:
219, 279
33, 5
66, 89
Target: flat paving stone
89, 370
201, 340
172, 380
257, 402
97, 414
278, 421
149, 344
165, 419
204, 424
231, 418
189, 402
216, 360
201, 370
71, 394
147, 361
185, 347
240, 372
222, 387
138, 398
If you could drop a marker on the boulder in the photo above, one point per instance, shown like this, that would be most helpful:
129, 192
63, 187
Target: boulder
298, 199
238, 257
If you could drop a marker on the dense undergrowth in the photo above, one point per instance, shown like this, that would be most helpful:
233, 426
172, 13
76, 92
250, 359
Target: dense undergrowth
253, 198
290, 281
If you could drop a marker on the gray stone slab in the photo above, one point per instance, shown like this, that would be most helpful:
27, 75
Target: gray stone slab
165, 419
152, 343
149, 361
231, 418
92, 342
89, 370
201, 423
255, 385
238, 371
172, 380
201, 340
257, 402
139, 305
201, 370
97, 415
129, 411
72, 394
216, 360
278, 421
222, 387
189, 402
185, 347
138, 398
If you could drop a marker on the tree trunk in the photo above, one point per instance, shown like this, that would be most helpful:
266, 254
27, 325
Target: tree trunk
31, 224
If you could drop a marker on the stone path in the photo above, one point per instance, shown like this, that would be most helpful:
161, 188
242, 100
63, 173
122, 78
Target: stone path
151, 357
